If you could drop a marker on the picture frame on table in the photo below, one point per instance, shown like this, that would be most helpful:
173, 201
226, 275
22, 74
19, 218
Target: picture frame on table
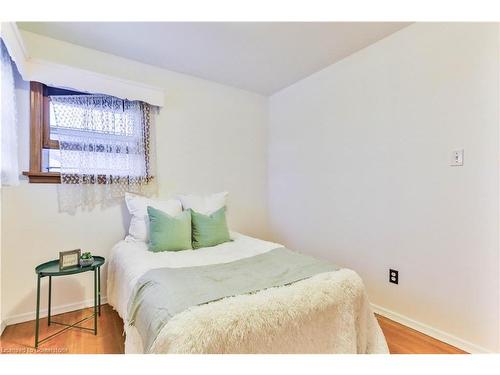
69, 259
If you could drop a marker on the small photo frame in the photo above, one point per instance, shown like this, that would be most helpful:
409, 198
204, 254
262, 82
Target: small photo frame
69, 259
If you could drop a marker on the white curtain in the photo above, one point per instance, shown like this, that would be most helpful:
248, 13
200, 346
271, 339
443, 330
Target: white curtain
104, 149
10, 169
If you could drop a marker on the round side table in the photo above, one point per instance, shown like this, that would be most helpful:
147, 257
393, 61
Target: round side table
51, 269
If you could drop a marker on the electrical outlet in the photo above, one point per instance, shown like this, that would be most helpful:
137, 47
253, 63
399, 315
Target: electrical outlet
393, 276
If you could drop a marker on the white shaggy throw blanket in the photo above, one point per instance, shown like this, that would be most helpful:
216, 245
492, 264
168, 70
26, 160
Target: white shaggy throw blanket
327, 313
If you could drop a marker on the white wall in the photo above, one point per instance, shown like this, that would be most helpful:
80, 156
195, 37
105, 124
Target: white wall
359, 173
209, 138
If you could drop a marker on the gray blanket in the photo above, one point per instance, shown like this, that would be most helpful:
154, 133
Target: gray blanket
164, 292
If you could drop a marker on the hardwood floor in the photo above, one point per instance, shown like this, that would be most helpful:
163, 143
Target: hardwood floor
404, 340
19, 338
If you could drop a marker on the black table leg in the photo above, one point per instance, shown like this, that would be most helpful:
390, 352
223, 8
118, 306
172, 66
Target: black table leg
99, 288
95, 300
50, 298
37, 310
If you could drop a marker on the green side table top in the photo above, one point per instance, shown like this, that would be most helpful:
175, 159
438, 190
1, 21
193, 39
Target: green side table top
52, 268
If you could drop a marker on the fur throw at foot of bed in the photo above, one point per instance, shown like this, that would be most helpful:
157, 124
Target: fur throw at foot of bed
327, 313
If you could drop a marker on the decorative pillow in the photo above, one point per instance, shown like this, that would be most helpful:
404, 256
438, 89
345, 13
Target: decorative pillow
209, 230
138, 207
169, 233
206, 205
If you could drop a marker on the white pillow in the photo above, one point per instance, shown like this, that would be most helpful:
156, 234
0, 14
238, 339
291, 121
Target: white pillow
204, 204
138, 207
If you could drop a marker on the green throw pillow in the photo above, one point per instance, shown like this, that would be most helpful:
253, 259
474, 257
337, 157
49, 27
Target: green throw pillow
169, 233
209, 230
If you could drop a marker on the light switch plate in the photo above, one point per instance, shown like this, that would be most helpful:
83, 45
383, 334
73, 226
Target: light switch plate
457, 158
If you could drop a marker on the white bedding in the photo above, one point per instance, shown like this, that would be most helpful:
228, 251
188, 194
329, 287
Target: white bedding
328, 313
130, 259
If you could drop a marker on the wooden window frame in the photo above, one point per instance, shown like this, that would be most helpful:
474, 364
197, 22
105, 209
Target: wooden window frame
40, 136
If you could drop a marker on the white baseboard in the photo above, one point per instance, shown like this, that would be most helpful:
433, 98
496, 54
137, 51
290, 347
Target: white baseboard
430, 331
25, 317
2, 327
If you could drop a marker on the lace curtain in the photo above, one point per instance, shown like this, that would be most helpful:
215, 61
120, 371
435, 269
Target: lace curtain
104, 149
10, 169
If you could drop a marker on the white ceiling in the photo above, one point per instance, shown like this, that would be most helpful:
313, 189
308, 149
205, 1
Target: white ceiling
256, 56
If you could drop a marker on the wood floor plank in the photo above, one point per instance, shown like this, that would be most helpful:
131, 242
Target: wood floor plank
404, 340
19, 338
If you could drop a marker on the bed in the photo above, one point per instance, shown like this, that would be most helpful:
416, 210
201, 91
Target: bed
326, 313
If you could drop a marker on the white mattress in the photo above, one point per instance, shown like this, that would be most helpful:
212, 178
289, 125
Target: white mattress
130, 259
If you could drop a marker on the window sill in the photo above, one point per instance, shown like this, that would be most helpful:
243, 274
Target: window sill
43, 177
55, 178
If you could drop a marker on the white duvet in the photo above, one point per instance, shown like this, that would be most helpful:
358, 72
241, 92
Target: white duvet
328, 313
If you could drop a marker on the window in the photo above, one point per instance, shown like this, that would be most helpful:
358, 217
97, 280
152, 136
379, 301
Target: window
44, 145
39, 136
87, 139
